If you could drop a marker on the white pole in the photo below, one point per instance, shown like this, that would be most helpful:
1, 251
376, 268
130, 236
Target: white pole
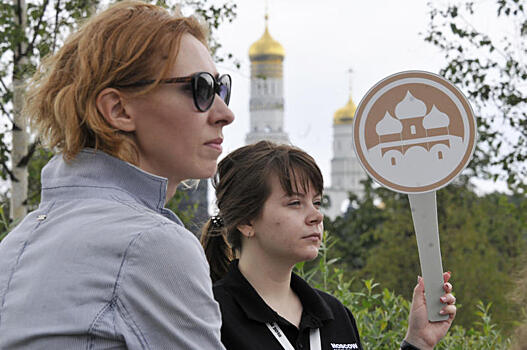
424, 214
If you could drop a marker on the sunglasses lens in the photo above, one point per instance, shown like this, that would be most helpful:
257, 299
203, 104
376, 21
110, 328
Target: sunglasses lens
225, 88
204, 91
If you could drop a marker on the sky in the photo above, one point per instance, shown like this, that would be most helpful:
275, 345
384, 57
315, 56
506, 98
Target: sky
322, 42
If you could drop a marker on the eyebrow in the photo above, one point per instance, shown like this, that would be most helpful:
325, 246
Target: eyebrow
298, 194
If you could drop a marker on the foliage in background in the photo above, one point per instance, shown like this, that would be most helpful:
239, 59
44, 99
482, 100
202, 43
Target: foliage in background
482, 240
5, 225
39, 158
382, 315
490, 68
188, 212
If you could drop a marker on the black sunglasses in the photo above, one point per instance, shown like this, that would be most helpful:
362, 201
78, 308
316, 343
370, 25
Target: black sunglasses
204, 87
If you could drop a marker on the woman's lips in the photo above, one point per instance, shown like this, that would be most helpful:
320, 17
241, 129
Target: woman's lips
216, 144
313, 237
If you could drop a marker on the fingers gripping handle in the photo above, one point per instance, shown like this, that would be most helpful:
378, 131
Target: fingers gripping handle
424, 214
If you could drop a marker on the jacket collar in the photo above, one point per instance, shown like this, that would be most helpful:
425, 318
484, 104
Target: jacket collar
97, 172
315, 309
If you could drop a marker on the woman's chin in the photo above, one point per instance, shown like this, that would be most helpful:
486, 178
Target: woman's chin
310, 255
206, 172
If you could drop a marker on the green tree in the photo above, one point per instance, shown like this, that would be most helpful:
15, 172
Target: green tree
354, 227
382, 315
482, 240
489, 67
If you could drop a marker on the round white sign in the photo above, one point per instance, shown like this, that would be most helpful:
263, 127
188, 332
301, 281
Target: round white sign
414, 132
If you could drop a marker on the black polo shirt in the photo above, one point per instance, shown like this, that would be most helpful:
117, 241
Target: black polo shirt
245, 314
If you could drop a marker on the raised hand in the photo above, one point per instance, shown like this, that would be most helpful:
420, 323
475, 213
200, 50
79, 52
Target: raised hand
422, 333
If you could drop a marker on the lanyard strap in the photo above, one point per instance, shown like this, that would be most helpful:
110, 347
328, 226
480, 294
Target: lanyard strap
314, 337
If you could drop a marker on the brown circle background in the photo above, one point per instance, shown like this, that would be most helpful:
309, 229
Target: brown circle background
387, 102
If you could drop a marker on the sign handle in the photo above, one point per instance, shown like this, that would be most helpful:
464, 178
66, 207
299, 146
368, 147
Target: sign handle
424, 214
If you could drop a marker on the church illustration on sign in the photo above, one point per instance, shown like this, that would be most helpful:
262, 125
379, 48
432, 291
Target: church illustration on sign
415, 142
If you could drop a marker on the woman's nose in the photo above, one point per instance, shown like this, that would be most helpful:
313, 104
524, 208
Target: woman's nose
220, 113
316, 217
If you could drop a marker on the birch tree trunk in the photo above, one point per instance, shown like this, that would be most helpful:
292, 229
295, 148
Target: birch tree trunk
18, 203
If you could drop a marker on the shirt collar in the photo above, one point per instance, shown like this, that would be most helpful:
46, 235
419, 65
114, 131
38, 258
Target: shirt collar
97, 170
315, 309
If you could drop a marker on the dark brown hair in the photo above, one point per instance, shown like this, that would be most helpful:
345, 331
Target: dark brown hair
129, 42
242, 185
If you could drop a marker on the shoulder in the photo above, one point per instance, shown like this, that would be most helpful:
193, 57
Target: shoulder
342, 329
234, 294
341, 314
169, 263
223, 293
170, 245
321, 303
334, 304
332, 301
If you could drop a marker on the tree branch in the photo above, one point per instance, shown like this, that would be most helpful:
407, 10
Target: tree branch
3, 84
9, 172
18, 51
24, 161
56, 30
37, 28
7, 114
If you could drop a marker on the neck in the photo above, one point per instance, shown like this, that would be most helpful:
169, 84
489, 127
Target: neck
171, 190
272, 280
172, 182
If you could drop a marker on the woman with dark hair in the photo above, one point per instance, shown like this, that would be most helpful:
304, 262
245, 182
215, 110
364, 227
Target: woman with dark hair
269, 219
134, 105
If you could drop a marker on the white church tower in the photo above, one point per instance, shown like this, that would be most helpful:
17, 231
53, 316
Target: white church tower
346, 171
267, 90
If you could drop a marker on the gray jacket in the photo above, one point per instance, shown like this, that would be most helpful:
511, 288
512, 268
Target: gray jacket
101, 264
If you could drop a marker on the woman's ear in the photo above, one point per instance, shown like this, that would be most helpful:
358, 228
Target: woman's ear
110, 103
246, 230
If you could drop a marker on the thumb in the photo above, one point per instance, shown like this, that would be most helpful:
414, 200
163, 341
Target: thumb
419, 290
420, 284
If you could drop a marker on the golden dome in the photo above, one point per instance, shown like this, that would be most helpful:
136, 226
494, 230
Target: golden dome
266, 46
345, 114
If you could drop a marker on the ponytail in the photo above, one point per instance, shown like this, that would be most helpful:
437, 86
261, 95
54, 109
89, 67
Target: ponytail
217, 249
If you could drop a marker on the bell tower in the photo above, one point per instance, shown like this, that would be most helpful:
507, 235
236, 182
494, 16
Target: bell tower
267, 90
